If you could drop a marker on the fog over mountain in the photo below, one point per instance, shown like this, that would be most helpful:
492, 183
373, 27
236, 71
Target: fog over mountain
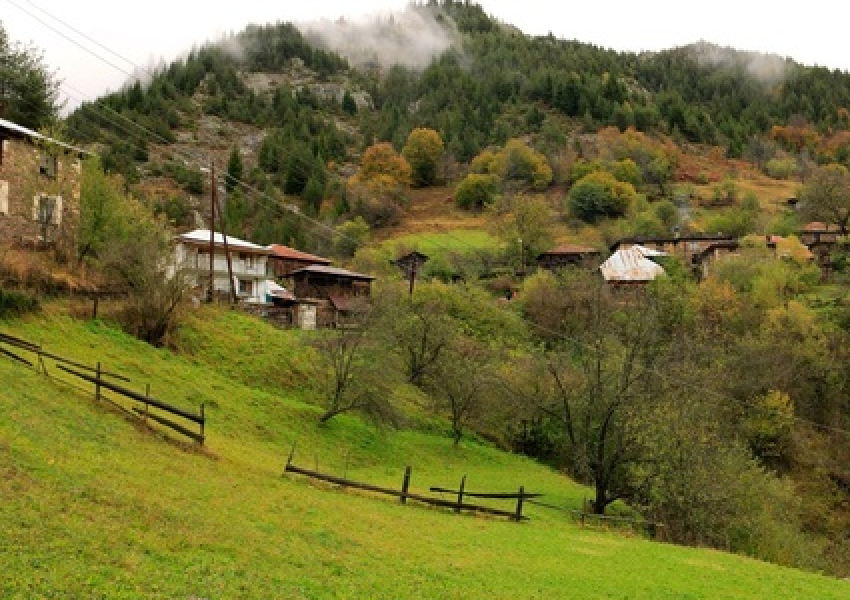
411, 38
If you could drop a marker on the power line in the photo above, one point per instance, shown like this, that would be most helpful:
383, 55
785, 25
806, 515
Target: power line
60, 33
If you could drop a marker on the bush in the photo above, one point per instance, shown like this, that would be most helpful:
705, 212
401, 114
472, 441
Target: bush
14, 304
476, 191
781, 168
600, 195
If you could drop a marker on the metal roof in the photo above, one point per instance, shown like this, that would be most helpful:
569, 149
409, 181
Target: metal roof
201, 237
21, 130
291, 253
632, 265
337, 272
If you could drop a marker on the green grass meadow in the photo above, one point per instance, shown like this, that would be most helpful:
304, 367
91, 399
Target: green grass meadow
94, 504
460, 241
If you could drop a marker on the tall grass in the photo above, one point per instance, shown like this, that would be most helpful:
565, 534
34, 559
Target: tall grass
96, 505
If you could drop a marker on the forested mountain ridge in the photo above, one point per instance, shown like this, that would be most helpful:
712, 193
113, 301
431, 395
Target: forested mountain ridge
298, 114
493, 84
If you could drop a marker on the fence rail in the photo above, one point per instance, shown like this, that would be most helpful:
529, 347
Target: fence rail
404, 493
97, 378
147, 401
654, 530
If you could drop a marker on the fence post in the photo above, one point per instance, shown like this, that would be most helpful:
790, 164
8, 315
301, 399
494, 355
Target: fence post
405, 484
291, 455
460, 493
97, 383
203, 421
147, 406
519, 500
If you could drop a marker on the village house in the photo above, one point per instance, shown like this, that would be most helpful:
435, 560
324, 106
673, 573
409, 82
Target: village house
248, 263
686, 247
39, 189
821, 239
568, 255
338, 293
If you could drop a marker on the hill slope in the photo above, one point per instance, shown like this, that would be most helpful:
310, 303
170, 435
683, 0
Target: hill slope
96, 505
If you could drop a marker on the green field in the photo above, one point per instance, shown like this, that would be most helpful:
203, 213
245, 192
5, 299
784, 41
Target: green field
461, 241
96, 505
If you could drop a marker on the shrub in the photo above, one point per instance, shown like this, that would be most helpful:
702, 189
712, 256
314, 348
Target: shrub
600, 195
14, 304
476, 191
781, 168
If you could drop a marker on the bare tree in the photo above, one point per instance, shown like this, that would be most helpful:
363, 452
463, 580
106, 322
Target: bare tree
460, 383
355, 379
420, 329
603, 388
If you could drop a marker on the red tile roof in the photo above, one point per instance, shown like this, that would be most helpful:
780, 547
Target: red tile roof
292, 254
818, 226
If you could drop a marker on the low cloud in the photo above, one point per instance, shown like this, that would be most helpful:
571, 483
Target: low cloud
768, 69
412, 38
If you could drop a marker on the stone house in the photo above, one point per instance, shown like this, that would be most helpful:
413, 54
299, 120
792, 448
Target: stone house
39, 190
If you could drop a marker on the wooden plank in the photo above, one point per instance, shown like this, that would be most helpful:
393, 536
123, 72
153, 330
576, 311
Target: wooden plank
14, 341
80, 365
136, 396
495, 495
14, 356
163, 421
25, 345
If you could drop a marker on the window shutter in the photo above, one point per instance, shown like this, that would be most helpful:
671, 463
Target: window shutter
35, 208
57, 210
4, 197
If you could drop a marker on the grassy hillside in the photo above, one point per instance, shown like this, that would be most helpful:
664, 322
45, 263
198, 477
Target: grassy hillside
95, 505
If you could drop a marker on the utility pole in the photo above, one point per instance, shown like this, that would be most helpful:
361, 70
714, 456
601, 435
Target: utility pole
224, 240
211, 293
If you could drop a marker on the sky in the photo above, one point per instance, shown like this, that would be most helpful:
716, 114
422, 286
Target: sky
95, 45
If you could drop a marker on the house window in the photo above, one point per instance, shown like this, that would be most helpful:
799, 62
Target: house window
246, 287
247, 260
49, 165
47, 210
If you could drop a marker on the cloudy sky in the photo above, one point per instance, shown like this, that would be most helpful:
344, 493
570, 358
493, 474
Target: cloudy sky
95, 44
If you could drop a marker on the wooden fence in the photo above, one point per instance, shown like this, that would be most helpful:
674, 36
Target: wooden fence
652, 529
102, 381
404, 493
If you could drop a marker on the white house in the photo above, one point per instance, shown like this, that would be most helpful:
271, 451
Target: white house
248, 262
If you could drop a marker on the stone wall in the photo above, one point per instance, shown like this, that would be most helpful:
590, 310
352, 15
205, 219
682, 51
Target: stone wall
22, 180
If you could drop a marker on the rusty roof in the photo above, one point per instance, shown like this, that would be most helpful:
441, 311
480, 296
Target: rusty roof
280, 251
632, 265
821, 227
333, 271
